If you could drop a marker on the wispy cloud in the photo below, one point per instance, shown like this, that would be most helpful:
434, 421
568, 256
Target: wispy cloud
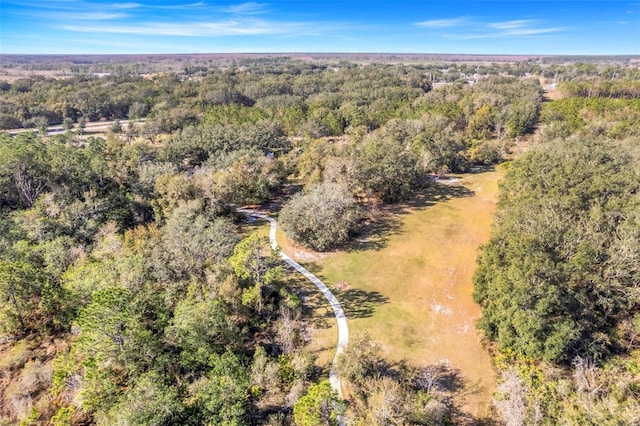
249, 8
125, 5
220, 28
182, 6
73, 15
443, 23
510, 25
501, 29
91, 16
511, 28
522, 27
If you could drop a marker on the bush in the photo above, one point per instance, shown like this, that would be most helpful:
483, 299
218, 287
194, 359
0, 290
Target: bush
323, 218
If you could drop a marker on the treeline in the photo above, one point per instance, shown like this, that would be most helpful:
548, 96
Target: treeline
597, 117
123, 90
626, 89
573, 71
558, 281
305, 99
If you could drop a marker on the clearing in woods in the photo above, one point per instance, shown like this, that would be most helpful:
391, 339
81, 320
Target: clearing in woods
409, 284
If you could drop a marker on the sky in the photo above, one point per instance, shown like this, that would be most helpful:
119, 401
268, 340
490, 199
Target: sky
543, 27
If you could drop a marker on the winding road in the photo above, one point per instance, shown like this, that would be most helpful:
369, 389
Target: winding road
341, 318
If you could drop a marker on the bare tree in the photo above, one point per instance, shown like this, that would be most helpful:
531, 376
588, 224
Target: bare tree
512, 403
28, 186
288, 328
586, 375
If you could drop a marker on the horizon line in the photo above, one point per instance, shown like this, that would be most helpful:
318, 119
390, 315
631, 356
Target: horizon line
323, 53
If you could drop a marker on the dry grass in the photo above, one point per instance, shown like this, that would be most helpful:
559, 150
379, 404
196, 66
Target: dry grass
27, 373
410, 284
13, 356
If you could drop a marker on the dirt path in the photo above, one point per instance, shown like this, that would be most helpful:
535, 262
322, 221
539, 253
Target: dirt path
341, 318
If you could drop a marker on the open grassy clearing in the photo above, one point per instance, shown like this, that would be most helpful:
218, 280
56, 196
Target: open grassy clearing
410, 283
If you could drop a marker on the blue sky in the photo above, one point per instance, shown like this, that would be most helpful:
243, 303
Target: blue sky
200, 26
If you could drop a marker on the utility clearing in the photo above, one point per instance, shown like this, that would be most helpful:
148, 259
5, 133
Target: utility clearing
408, 283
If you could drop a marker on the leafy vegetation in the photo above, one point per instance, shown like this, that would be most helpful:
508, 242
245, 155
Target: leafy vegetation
128, 294
564, 231
558, 282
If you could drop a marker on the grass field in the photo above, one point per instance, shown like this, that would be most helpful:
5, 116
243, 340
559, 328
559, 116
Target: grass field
410, 284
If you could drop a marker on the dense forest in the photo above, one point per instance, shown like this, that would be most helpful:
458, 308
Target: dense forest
559, 282
133, 292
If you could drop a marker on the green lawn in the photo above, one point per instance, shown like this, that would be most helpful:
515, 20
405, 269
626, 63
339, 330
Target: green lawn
409, 283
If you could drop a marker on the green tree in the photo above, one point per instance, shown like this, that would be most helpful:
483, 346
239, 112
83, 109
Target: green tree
115, 346
256, 265
221, 396
361, 360
150, 401
202, 329
320, 406
21, 287
191, 241
250, 179
116, 127
385, 168
82, 124
323, 218
67, 123
23, 169
131, 132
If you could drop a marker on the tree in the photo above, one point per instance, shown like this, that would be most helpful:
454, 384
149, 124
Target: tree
320, 406
106, 325
21, 285
361, 360
221, 396
24, 169
82, 124
256, 265
41, 124
323, 218
512, 399
200, 330
252, 259
386, 402
67, 123
137, 110
385, 168
117, 343
250, 179
151, 130
191, 241
131, 132
149, 401
116, 127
